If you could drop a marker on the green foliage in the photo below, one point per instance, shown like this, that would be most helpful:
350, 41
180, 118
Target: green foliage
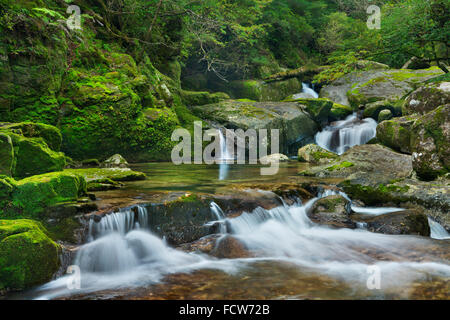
32, 196
340, 65
415, 28
27, 255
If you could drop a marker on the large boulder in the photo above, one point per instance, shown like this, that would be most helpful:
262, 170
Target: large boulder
97, 96
28, 257
366, 161
430, 143
101, 179
35, 149
50, 134
411, 222
385, 115
276, 157
6, 188
373, 110
259, 90
183, 219
115, 161
230, 247
378, 176
312, 153
33, 156
363, 87
6, 155
339, 112
200, 98
295, 125
319, 109
33, 196
427, 98
396, 133
332, 211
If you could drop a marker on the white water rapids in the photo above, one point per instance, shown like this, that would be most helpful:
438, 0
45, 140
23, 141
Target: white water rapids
122, 253
307, 92
340, 136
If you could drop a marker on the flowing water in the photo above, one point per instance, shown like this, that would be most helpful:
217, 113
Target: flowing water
307, 92
225, 157
438, 231
289, 257
340, 136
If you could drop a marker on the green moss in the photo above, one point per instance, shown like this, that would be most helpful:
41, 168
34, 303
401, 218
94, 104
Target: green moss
376, 195
6, 155
63, 230
28, 256
323, 155
33, 156
339, 112
344, 164
90, 163
51, 135
319, 109
248, 89
199, 98
104, 175
32, 196
332, 202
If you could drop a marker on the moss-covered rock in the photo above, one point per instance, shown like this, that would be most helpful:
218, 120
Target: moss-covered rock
90, 163
396, 133
385, 114
6, 188
35, 193
115, 161
372, 110
363, 87
312, 153
115, 174
229, 247
89, 88
259, 90
6, 155
339, 112
319, 109
200, 98
372, 161
295, 125
31, 151
183, 219
28, 256
33, 156
427, 98
388, 85
332, 211
430, 143
32, 196
411, 222
50, 134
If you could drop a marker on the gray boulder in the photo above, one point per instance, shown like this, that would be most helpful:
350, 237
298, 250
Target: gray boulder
363, 87
427, 98
295, 125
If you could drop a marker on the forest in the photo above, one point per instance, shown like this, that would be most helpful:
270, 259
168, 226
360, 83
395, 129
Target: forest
92, 93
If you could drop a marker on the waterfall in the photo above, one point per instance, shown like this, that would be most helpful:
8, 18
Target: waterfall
121, 241
224, 153
342, 135
438, 231
307, 92
225, 158
123, 254
121, 222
